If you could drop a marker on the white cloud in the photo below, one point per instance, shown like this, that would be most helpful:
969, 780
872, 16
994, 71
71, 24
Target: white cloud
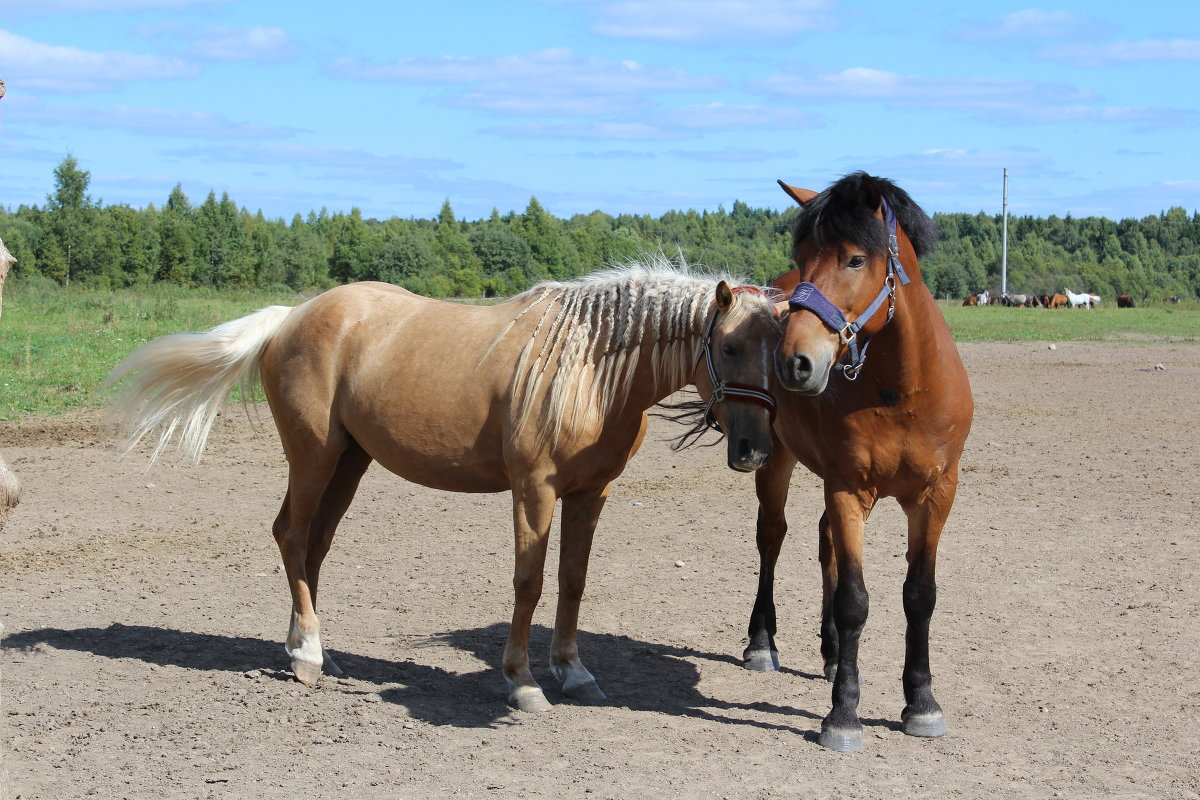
553, 82
726, 117
1031, 23
996, 100
347, 162
861, 83
706, 20
556, 69
1114, 53
624, 131
31, 8
27, 64
224, 44
734, 155
147, 121
687, 122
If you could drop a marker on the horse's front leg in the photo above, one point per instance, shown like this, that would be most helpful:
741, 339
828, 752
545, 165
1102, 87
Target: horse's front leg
847, 512
533, 511
580, 513
922, 716
771, 485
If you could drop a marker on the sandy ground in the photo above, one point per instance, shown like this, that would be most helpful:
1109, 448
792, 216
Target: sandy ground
145, 614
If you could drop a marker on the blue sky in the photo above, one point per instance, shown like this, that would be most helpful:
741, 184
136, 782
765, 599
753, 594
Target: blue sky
628, 106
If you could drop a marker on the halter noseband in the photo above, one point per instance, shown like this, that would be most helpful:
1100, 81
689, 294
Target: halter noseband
807, 296
721, 390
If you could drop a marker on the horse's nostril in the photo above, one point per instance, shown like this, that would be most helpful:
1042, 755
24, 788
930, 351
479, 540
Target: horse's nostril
744, 449
802, 368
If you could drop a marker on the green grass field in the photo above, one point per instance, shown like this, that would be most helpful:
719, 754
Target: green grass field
1177, 323
57, 345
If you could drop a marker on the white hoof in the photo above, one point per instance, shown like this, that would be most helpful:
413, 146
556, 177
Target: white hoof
529, 698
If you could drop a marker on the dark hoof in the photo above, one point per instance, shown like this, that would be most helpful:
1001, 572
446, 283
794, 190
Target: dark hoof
588, 693
761, 660
841, 740
929, 725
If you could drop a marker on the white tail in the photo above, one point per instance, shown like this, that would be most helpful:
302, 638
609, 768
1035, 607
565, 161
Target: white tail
179, 382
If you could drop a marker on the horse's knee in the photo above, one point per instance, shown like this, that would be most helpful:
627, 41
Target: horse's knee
528, 587
851, 604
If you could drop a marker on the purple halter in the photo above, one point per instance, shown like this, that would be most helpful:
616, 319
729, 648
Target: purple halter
808, 297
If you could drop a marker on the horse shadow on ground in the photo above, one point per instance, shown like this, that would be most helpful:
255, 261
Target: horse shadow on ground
637, 675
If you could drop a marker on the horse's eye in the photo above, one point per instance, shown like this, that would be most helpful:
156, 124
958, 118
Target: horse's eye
729, 350
857, 262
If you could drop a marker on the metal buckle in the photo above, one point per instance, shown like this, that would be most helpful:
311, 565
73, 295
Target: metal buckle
847, 339
718, 393
851, 372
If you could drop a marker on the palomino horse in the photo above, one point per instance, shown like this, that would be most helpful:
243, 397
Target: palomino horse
544, 395
893, 425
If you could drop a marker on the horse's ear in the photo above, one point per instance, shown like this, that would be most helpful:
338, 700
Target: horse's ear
869, 195
801, 196
724, 296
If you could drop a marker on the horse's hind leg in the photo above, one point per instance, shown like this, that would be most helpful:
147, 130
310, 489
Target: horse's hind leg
771, 485
334, 502
580, 513
312, 471
533, 511
922, 716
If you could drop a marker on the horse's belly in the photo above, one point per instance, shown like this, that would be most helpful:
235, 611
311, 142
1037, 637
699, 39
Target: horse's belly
450, 452
451, 472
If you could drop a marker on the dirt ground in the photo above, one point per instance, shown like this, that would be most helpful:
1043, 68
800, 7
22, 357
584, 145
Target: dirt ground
144, 620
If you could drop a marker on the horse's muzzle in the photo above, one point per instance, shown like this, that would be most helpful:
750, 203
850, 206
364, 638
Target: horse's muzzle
746, 455
802, 374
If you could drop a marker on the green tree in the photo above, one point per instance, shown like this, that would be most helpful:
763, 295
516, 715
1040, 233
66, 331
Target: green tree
68, 216
403, 259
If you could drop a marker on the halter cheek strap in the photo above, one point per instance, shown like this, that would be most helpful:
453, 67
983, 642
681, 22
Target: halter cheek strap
722, 391
808, 297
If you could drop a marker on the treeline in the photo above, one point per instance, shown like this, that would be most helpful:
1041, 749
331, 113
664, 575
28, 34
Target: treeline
73, 239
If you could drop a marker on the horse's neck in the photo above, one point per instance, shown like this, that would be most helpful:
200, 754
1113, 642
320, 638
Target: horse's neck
911, 346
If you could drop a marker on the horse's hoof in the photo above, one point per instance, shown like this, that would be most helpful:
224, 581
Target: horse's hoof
761, 660
331, 668
929, 725
841, 740
588, 692
306, 672
529, 698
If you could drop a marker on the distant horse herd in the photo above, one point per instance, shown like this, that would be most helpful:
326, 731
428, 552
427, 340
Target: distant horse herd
1066, 299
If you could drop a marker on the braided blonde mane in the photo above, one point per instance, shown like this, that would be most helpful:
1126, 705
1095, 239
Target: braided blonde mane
591, 335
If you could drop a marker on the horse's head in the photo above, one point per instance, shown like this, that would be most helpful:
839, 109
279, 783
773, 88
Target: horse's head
734, 373
852, 246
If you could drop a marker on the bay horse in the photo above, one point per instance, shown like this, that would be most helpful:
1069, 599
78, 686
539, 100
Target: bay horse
544, 395
890, 426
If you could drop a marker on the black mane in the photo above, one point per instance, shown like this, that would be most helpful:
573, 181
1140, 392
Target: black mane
846, 212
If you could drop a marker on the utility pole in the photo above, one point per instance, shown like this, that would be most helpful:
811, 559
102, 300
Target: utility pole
1004, 242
